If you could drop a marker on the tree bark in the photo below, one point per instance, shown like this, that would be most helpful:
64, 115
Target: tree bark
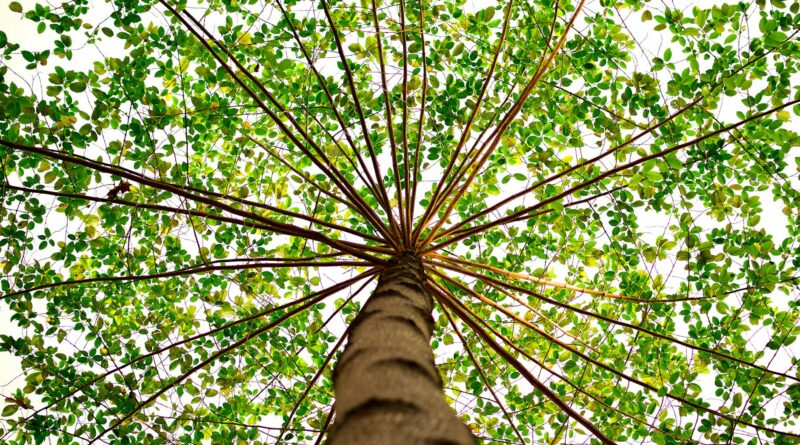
388, 390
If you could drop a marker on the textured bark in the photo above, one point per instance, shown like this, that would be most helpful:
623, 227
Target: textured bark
388, 390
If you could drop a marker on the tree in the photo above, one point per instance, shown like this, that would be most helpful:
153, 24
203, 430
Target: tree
534, 222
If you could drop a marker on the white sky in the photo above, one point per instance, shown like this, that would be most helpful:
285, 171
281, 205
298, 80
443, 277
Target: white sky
25, 32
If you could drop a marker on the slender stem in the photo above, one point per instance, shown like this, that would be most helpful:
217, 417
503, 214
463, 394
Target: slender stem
275, 226
323, 293
404, 127
483, 376
213, 357
646, 131
421, 120
389, 124
310, 385
606, 174
752, 392
191, 271
325, 165
624, 324
321, 80
577, 387
449, 300
360, 112
431, 210
498, 134
549, 283
463, 230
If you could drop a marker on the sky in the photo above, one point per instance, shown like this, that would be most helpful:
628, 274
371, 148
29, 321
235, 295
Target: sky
25, 31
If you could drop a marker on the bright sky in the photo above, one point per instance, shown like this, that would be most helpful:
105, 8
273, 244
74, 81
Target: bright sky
25, 31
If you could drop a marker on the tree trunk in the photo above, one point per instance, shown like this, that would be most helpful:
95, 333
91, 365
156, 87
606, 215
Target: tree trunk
388, 390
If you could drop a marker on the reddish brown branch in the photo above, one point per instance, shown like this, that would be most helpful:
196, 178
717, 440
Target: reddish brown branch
404, 125
326, 166
498, 133
484, 378
421, 120
321, 80
194, 213
359, 110
542, 365
275, 226
549, 283
311, 297
431, 210
604, 175
310, 385
681, 399
596, 316
201, 365
192, 271
449, 301
646, 131
389, 124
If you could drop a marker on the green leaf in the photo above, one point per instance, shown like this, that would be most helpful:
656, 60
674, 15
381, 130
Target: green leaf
77, 87
774, 39
448, 339
186, 210
10, 410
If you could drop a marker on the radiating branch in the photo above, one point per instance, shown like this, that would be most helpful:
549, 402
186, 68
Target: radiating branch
469, 231
199, 214
314, 297
486, 383
421, 121
190, 271
450, 301
545, 299
611, 172
435, 199
389, 124
371, 184
646, 131
310, 384
549, 283
325, 165
577, 387
650, 387
275, 226
502, 127
365, 131
213, 357
404, 126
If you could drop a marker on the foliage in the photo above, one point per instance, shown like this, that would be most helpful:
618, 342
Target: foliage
196, 198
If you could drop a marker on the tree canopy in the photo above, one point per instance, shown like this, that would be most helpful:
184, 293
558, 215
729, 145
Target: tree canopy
197, 198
